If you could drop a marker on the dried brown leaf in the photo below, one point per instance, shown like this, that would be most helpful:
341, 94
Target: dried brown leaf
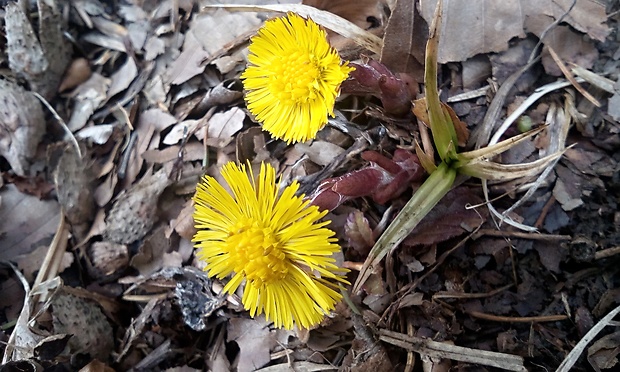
403, 42
448, 219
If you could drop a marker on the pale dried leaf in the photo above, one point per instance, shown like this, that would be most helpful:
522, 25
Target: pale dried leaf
88, 97
320, 152
189, 62
98, 134
326, 19
157, 118
30, 263
123, 77
223, 125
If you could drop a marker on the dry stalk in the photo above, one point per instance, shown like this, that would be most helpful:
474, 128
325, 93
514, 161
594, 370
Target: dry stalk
440, 350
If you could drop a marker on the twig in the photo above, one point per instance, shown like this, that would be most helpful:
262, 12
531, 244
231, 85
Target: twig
571, 78
518, 319
446, 294
606, 253
520, 235
441, 350
572, 357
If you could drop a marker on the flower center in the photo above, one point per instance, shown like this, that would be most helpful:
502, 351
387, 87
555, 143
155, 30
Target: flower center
256, 251
295, 78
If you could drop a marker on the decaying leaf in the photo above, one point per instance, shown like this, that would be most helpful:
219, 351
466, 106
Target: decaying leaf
73, 179
73, 315
134, 212
448, 219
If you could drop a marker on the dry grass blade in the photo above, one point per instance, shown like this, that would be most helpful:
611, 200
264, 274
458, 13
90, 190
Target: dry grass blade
489, 152
601, 82
569, 77
442, 350
572, 357
326, 19
506, 172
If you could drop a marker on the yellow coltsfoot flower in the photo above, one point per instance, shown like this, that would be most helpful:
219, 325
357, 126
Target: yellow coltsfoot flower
273, 240
293, 79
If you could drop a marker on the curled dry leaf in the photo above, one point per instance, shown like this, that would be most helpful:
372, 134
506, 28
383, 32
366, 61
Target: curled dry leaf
134, 211
40, 59
22, 125
73, 179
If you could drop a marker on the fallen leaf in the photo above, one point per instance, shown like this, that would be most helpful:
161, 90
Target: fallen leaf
78, 72
157, 118
149, 258
31, 263
359, 233
223, 125
99, 134
404, 40
448, 219
603, 354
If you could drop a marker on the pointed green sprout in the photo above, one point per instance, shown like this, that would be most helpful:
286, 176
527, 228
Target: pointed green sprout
476, 163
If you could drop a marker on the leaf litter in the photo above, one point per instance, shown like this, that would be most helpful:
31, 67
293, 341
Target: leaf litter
151, 93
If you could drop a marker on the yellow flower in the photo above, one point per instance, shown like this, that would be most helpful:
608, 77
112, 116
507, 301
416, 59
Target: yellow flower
294, 78
271, 239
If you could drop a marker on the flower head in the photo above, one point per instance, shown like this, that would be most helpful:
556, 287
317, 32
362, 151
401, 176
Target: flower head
294, 78
271, 239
